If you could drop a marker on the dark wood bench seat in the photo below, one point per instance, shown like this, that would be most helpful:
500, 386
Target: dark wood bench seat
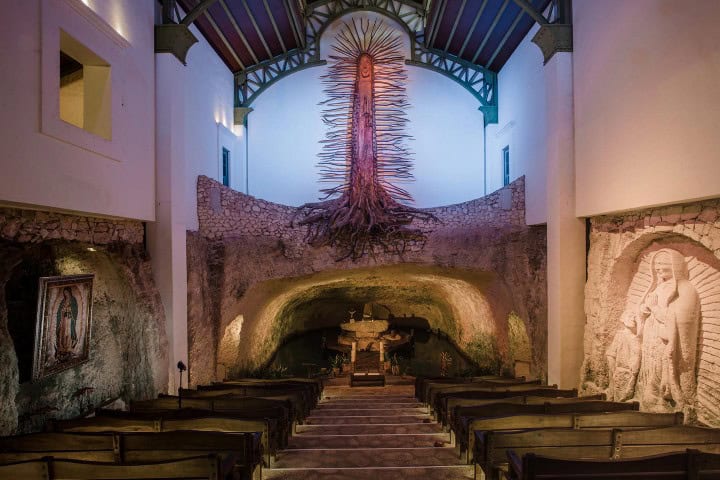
420, 382
430, 388
170, 421
460, 402
206, 467
437, 396
465, 416
297, 407
597, 420
490, 451
136, 447
688, 465
441, 409
244, 407
314, 385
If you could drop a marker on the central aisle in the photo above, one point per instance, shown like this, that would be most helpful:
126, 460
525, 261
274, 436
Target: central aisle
369, 433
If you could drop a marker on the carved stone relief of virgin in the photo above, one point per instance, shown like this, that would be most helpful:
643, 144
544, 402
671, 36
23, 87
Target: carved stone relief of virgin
666, 353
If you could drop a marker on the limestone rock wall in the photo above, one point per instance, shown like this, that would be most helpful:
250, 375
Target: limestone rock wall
248, 241
128, 351
652, 302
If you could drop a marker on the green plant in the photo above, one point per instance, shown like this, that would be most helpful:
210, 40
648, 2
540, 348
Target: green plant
337, 360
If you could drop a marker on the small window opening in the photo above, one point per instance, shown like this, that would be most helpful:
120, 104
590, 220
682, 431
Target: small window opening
85, 88
226, 167
506, 165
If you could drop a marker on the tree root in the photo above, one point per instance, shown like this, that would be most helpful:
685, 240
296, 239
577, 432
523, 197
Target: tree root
357, 228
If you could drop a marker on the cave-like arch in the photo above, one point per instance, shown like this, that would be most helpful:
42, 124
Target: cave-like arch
473, 308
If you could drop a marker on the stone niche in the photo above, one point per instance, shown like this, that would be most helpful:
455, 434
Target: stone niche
253, 281
127, 350
653, 310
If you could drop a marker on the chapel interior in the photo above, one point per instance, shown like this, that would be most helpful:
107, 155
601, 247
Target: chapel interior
349, 239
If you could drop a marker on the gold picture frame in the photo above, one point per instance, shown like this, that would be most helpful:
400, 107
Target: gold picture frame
64, 318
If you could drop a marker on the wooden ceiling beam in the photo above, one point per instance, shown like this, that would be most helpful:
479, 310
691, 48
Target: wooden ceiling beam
239, 32
299, 34
510, 30
455, 25
490, 30
224, 40
472, 28
257, 29
436, 24
275, 27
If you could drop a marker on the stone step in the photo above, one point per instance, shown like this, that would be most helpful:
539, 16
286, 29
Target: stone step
366, 429
366, 419
357, 412
366, 457
366, 405
369, 398
457, 472
387, 440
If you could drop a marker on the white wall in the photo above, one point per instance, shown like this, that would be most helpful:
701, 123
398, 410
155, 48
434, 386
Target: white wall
208, 125
521, 126
286, 126
647, 103
49, 163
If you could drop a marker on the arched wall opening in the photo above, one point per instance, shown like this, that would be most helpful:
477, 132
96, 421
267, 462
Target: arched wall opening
445, 123
472, 308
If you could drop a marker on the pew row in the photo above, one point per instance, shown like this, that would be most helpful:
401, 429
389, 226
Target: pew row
133, 448
490, 451
208, 467
462, 428
688, 465
117, 421
577, 421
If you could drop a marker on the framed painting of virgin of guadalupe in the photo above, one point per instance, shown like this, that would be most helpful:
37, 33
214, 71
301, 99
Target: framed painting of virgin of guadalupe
62, 332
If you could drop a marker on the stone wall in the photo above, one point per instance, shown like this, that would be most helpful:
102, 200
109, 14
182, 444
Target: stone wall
246, 242
127, 351
652, 302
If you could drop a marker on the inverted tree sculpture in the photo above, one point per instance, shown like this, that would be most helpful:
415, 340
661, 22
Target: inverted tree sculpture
364, 150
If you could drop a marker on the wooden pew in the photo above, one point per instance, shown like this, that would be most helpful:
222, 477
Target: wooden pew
691, 464
420, 382
598, 420
442, 412
428, 388
247, 407
305, 393
453, 403
298, 408
170, 421
128, 448
583, 444
436, 395
465, 416
315, 385
206, 467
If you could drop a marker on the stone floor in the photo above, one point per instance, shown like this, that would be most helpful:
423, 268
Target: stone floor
374, 433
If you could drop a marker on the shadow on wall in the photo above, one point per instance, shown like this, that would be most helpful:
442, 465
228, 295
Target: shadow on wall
127, 349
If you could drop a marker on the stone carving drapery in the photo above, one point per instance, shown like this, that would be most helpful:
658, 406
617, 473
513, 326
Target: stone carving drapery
666, 352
